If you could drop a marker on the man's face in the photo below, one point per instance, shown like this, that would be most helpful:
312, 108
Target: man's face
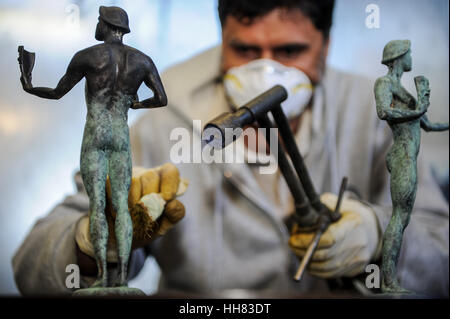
288, 37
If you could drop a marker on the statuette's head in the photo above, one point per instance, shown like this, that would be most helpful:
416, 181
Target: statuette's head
398, 50
114, 18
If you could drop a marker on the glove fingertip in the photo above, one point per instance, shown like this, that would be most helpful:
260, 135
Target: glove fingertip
174, 211
164, 226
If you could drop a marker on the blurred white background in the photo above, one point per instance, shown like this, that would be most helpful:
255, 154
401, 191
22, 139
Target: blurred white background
40, 139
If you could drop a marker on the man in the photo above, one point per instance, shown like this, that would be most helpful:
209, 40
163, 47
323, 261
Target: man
234, 234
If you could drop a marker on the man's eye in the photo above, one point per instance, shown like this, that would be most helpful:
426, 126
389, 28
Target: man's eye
288, 52
247, 52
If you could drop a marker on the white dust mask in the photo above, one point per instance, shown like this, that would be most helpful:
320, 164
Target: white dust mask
245, 82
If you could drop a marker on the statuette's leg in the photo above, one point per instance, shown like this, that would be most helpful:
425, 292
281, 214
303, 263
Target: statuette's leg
120, 176
94, 172
403, 191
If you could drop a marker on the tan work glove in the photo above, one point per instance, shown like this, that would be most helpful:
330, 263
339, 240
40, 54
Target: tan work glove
347, 246
152, 205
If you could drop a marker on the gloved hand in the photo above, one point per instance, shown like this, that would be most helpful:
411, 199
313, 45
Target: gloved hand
347, 246
152, 206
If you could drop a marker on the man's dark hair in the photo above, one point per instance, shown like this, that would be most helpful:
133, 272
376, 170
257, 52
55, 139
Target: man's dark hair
245, 11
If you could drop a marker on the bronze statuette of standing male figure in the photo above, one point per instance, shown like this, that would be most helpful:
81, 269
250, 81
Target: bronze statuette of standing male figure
114, 72
406, 117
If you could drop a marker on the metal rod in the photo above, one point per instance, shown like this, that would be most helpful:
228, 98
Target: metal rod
336, 214
296, 157
286, 168
309, 253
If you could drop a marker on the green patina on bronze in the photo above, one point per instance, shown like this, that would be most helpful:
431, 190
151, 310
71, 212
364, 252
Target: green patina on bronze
106, 151
405, 117
113, 72
109, 292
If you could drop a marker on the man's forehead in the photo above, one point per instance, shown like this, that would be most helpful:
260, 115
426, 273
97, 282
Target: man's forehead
278, 27
294, 15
